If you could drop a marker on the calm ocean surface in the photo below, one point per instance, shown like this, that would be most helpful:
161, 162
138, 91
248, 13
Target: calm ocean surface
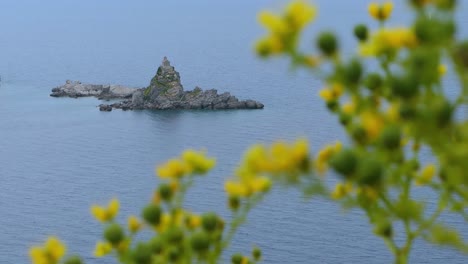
59, 156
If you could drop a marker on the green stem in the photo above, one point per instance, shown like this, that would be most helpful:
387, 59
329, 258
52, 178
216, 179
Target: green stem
239, 219
183, 189
236, 222
426, 224
387, 203
391, 245
460, 192
402, 256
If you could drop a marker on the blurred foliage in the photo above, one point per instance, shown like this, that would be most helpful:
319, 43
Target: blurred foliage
390, 112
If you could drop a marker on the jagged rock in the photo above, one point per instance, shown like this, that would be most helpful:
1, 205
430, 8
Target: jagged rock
166, 83
76, 89
165, 91
104, 107
138, 99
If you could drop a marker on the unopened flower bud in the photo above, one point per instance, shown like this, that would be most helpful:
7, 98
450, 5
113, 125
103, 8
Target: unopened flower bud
142, 253
327, 43
370, 171
344, 162
165, 191
361, 32
391, 137
209, 221
200, 242
73, 260
114, 234
373, 81
152, 214
257, 253
236, 258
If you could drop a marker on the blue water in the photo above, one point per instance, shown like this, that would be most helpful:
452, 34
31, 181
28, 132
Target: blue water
59, 156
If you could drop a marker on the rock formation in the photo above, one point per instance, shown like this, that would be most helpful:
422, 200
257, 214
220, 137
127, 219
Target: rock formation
76, 89
164, 92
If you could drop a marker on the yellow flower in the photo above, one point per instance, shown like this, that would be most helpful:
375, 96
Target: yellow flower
52, 251
104, 214
349, 108
191, 161
283, 27
374, 10
260, 184
393, 112
324, 155
272, 44
300, 13
326, 94
123, 245
166, 221
368, 192
197, 161
427, 174
338, 146
388, 39
321, 167
234, 188
280, 158
272, 22
174, 185
176, 218
102, 249
380, 12
341, 190
372, 124
255, 159
134, 225
398, 37
331, 93
156, 199
442, 69
55, 248
300, 150
194, 221
337, 89
279, 148
297, 15
38, 256
174, 168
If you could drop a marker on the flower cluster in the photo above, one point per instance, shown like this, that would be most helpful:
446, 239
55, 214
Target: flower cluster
191, 161
390, 112
179, 236
280, 159
284, 29
106, 213
388, 41
381, 12
324, 155
52, 252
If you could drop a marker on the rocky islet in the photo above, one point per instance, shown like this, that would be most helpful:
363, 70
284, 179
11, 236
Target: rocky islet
164, 92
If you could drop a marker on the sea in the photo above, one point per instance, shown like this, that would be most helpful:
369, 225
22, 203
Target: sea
58, 156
